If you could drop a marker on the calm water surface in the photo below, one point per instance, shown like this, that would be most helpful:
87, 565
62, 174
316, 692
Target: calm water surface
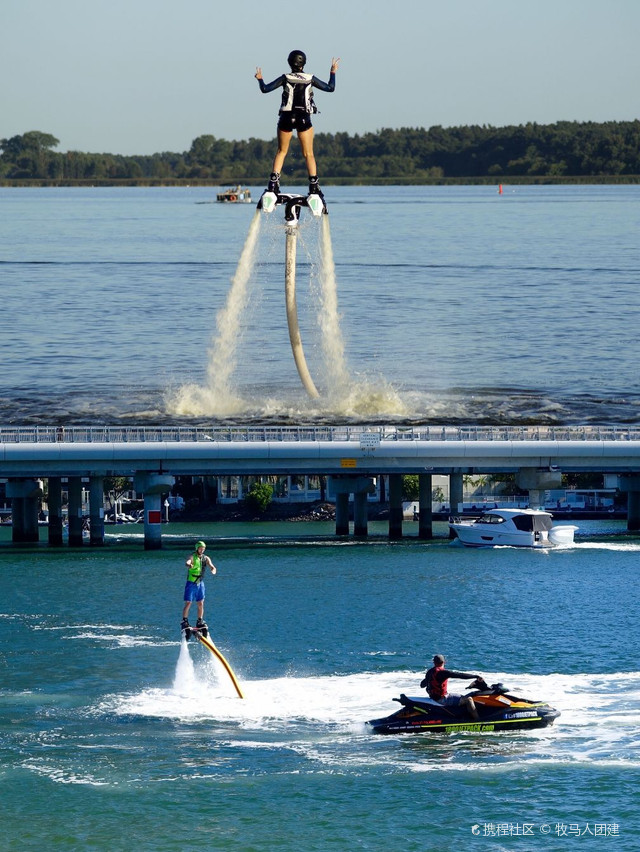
456, 304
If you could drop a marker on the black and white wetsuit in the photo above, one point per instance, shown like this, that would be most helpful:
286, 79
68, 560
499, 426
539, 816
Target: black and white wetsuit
297, 103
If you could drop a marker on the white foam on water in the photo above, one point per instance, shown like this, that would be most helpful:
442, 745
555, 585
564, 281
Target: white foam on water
590, 704
607, 545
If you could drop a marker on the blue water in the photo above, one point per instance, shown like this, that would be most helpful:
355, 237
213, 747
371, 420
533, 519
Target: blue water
462, 305
109, 729
457, 304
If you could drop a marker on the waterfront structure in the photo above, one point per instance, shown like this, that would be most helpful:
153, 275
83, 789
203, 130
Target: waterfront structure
350, 456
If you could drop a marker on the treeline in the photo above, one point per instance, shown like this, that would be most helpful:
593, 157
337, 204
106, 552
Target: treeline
587, 150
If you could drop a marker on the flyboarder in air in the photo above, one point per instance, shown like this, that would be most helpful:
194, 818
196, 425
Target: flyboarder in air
197, 565
296, 109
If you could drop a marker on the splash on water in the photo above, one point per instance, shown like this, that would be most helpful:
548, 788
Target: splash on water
184, 682
217, 396
344, 395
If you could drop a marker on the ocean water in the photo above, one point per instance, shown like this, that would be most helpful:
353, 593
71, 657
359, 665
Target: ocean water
453, 304
114, 735
450, 305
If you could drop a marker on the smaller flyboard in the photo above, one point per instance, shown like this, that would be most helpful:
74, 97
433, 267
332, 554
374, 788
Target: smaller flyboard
292, 203
202, 635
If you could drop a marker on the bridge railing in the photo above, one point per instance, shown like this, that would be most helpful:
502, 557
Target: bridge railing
136, 434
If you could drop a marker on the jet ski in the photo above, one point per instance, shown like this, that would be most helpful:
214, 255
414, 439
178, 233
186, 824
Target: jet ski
498, 710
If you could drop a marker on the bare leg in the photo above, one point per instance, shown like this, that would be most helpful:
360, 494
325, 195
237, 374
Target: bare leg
201, 609
470, 706
284, 138
306, 143
186, 608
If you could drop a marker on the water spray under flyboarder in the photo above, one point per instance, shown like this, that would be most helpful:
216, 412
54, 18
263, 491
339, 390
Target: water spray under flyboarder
296, 108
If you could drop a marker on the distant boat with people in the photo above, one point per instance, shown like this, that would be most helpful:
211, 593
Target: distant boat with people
235, 195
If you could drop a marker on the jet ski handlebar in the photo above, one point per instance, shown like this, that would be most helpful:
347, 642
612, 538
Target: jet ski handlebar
481, 684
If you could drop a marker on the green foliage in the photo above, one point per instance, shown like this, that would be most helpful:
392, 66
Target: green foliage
259, 497
410, 487
531, 151
119, 485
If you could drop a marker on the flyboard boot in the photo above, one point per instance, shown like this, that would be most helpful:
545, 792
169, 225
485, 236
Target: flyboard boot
315, 199
269, 197
201, 626
186, 629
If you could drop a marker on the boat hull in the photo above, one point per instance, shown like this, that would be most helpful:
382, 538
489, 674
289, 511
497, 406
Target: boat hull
512, 528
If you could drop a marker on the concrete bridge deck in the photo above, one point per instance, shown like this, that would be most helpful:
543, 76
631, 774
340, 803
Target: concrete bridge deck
348, 455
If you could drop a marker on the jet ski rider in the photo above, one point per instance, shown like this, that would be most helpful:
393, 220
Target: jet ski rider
295, 112
436, 681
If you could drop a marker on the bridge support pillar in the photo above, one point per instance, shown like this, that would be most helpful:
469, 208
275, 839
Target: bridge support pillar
360, 514
425, 506
536, 481
342, 514
153, 486
395, 505
96, 511
631, 484
55, 510
456, 496
25, 497
75, 511
341, 487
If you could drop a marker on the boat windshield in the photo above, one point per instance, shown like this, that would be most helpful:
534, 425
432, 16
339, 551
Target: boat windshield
490, 519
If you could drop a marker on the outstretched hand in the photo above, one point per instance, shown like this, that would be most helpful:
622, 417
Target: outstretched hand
258, 74
334, 64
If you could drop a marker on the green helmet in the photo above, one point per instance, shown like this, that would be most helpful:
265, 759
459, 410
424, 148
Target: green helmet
200, 544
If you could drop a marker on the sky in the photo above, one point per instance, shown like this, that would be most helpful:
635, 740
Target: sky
145, 76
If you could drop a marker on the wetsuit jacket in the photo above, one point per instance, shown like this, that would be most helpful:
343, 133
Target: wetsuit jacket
297, 88
436, 679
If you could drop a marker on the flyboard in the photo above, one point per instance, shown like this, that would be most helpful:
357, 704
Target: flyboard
292, 202
202, 635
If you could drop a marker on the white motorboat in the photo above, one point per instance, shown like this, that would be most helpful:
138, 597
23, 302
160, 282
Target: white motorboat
512, 528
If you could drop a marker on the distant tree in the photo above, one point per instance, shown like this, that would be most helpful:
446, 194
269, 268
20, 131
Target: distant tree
410, 486
30, 154
259, 497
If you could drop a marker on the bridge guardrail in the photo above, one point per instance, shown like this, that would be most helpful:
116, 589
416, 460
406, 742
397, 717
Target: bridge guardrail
136, 434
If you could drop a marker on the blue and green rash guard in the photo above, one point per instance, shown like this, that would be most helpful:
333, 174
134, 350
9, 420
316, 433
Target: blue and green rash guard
298, 90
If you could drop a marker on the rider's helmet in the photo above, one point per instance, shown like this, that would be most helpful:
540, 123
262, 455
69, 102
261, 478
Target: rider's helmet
297, 60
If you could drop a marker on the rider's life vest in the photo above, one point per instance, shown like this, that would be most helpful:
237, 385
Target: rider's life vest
437, 689
297, 92
196, 572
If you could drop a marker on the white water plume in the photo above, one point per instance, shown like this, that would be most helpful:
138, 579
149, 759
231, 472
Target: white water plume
344, 396
329, 318
217, 396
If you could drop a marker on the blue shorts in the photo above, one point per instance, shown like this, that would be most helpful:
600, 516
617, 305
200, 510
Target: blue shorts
194, 591
450, 700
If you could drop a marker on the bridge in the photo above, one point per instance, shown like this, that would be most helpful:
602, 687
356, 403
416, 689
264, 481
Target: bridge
350, 456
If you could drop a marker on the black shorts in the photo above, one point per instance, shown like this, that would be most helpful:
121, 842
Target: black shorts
296, 119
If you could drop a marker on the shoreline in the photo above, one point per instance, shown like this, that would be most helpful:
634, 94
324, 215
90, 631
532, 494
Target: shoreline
511, 180
325, 511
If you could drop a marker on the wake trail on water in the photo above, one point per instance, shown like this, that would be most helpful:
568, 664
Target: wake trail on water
599, 718
343, 394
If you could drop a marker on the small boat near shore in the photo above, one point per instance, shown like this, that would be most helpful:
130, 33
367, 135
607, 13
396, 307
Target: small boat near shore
512, 528
235, 195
